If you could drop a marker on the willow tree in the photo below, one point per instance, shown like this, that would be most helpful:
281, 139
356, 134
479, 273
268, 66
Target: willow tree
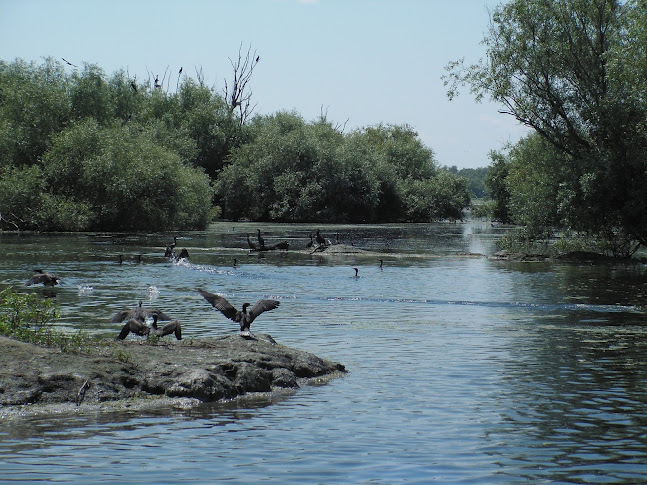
563, 68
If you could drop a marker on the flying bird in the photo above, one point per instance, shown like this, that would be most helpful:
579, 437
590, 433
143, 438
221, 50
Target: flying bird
140, 314
244, 317
46, 279
68, 62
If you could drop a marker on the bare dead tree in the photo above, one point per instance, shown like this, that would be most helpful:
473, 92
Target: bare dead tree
323, 116
238, 95
199, 75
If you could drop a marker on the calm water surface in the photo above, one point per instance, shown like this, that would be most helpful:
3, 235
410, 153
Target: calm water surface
462, 368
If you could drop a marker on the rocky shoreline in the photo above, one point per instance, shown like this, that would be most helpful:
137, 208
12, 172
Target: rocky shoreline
145, 373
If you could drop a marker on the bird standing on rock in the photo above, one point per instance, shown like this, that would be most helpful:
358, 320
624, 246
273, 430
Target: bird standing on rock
139, 328
261, 241
244, 317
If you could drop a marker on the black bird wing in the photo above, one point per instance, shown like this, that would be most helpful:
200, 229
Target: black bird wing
153, 312
140, 313
133, 326
172, 327
262, 306
36, 279
221, 304
121, 316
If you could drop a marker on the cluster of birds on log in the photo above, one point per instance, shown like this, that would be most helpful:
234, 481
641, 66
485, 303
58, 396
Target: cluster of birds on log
136, 318
283, 245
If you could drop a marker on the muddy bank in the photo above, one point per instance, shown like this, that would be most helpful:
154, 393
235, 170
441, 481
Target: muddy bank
140, 372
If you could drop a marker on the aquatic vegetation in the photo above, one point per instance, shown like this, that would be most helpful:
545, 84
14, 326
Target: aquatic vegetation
28, 318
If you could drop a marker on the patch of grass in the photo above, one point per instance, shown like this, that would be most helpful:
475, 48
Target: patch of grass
27, 318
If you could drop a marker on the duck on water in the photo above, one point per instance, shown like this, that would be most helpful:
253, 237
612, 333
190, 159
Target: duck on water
46, 279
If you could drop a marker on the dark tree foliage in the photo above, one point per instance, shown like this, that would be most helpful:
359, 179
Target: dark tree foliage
83, 151
574, 71
291, 170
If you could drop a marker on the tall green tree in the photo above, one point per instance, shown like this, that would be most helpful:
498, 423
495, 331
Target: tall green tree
561, 67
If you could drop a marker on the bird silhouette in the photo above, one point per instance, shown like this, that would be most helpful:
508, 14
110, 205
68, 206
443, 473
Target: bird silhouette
252, 246
47, 279
68, 62
261, 241
319, 238
244, 317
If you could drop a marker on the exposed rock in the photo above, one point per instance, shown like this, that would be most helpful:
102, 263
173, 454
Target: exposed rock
204, 370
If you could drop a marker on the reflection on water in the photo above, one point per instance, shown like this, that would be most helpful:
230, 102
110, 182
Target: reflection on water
461, 368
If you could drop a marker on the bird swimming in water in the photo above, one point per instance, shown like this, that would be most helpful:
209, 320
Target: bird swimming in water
244, 317
356, 272
140, 314
140, 328
46, 279
381, 264
170, 248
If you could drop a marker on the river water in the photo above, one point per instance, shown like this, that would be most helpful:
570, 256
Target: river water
462, 369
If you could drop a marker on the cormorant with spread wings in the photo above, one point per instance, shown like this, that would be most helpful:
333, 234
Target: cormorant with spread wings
244, 317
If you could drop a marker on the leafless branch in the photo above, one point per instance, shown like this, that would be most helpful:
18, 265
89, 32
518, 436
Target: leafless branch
238, 95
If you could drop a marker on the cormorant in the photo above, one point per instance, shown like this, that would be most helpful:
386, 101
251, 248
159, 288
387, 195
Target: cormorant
173, 326
356, 272
139, 328
309, 245
261, 241
381, 263
244, 317
252, 246
170, 247
140, 314
319, 238
282, 245
46, 279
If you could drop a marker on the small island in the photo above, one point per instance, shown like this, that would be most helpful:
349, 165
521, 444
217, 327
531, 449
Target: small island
148, 373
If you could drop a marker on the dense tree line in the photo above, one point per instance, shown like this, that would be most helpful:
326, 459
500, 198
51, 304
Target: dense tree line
475, 178
87, 151
576, 72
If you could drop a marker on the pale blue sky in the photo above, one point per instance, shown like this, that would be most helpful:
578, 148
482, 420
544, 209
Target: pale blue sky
365, 61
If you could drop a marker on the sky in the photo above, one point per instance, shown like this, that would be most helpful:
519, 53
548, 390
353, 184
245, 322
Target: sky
359, 62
